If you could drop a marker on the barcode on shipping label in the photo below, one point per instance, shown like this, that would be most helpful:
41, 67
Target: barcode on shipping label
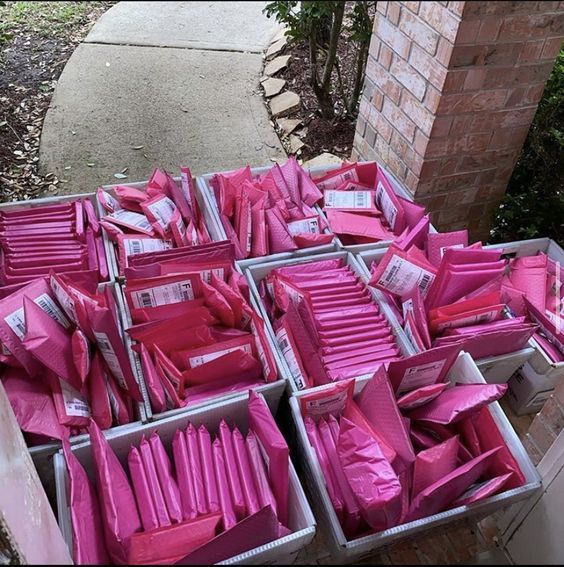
132, 219
163, 295
385, 204
290, 358
421, 375
134, 246
110, 357
75, 403
16, 320
163, 209
64, 299
401, 276
443, 249
333, 403
195, 361
338, 180
307, 226
348, 199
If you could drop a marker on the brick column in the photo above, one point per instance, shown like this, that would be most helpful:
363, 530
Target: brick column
450, 91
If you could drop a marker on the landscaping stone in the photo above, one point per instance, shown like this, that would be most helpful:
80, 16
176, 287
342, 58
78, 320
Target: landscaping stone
276, 47
284, 104
288, 125
323, 159
276, 65
272, 86
295, 144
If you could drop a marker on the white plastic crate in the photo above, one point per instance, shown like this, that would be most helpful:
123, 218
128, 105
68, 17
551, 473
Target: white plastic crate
271, 391
234, 411
211, 203
539, 361
42, 455
463, 371
496, 369
216, 232
257, 272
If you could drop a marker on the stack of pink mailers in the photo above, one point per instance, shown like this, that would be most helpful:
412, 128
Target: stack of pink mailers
161, 216
389, 458
327, 323
362, 207
193, 328
450, 292
215, 499
64, 361
533, 287
63, 238
269, 213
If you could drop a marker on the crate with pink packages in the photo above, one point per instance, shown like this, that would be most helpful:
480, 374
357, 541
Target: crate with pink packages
173, 215
546, 284
265, 353
496, 368
268, 233
349, 422
266, 522
56, 408
294, 363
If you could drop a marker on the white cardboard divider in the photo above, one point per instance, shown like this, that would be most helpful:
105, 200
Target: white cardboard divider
257, 272
463, 371
213, 210
271, 391
539, 361
43, 454
496, 369
234, 411
216, 232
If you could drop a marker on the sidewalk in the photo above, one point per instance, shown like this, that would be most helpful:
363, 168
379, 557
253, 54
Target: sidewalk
161, 84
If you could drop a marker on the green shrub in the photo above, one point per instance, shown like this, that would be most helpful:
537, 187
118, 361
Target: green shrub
534, 203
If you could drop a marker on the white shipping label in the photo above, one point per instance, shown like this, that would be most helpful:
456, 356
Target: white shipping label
110, 357
332, 403
114, 403
407, 307
348, 200
186, 187
310, 226
195, 361
134, 246
64, 299
16, 320
163, 209
132, 219
469, 320
111, 202
290, 357
411, 335
443, 249
163, 294
385, 204
75, 403
401, 276
421, 375
338, 180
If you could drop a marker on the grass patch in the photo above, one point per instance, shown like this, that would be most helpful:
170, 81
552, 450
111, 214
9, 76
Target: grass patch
46, 19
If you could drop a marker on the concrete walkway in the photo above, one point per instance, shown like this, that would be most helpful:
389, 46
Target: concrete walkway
161, 84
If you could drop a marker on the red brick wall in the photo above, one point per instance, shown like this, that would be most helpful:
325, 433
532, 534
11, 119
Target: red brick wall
450, 91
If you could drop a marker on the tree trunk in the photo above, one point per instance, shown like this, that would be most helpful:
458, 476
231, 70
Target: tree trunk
359, 79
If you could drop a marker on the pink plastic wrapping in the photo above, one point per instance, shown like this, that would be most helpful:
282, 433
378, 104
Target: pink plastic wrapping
166, 479
89, 547
120, 518
232, 471
210, 481
482, 490
274, 445
370, 476
252, 505
260, 474
196, 468
226, 503
154, 484
421, 396
184, 476
459, 402
100, 405
142, 490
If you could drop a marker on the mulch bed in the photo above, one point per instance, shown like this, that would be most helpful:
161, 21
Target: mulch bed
31, 62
